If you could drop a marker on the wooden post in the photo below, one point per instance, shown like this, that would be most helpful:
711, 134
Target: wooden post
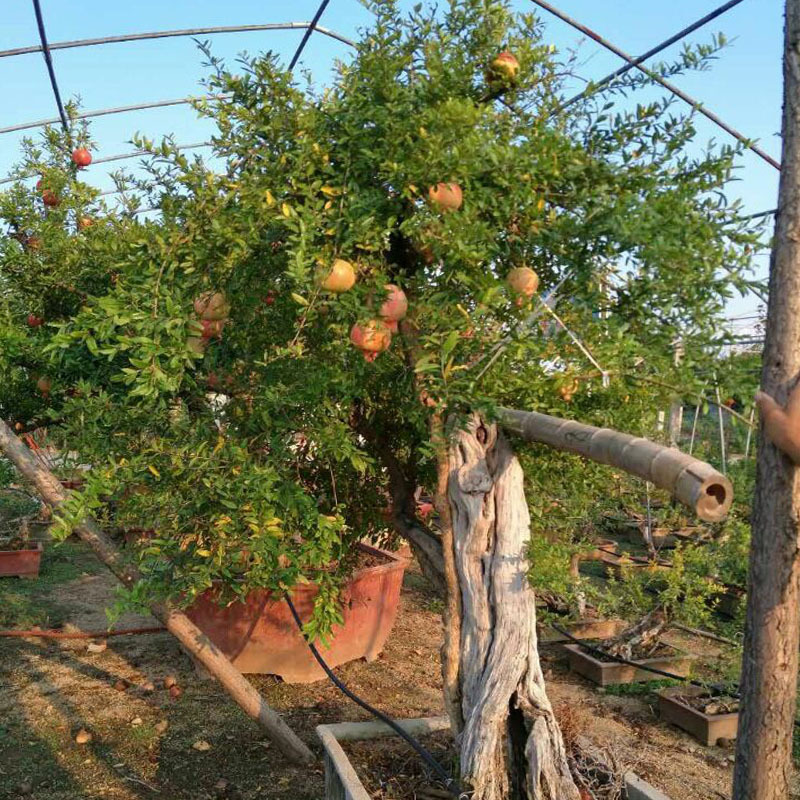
177, 623
693, 482
676, 407
769, 663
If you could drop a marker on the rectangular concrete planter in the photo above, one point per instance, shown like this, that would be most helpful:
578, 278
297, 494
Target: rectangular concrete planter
342, 781
706, 728
21, 563
597, 629
610, 673
261, 636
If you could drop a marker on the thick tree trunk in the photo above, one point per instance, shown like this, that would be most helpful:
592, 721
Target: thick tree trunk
177, 623
769, 664
511, 744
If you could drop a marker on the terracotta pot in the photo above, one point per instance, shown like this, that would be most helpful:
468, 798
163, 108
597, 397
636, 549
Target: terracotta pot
21, 563
706, 728
260, 634
609, 673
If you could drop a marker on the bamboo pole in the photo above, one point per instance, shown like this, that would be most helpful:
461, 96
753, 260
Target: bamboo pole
177, 623
694, 483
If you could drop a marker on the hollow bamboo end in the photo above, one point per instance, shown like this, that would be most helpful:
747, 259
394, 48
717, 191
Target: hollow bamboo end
714, 498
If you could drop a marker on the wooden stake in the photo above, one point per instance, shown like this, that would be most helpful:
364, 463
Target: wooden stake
694, 483
772, 628
177, 623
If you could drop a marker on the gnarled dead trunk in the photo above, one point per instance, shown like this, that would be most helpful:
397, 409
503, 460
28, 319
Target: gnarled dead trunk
511, 745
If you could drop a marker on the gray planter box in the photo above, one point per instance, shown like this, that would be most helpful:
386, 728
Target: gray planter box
342, 782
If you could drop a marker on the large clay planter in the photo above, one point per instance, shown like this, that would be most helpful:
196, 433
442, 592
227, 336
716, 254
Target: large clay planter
260, 634
609, 673
21, 563
706, 728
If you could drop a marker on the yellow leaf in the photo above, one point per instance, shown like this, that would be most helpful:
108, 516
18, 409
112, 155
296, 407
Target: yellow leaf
153, 470
286, 210
203, 552
330, 232
328, 204
269, 198
219, 445
413, 189
540, 204
299, 299
330, 191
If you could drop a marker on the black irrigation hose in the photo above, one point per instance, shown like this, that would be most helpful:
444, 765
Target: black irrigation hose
450, 783
48, 59
652, 52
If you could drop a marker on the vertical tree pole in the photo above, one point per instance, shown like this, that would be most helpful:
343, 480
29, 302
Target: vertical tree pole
769, 664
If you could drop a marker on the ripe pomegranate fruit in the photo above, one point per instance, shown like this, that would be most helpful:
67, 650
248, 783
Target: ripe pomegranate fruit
523, 281
371, 337
446, 196
212, 328
341, 278
34, 321
82, 157
395, 307
50, 198
503, 68
212, 305
44, 384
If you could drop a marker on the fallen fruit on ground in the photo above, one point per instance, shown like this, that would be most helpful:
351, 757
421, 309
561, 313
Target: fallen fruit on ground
446, 196
34, 321
341, 278
83, 736
170, 681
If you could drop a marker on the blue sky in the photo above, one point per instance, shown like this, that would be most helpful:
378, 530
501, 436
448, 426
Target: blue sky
744, 86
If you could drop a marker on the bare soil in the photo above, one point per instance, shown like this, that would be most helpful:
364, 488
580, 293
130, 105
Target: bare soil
147, 744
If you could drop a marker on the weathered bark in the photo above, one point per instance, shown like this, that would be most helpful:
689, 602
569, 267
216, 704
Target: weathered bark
511, 744
177, 623
643, 635
451, 645
769, 663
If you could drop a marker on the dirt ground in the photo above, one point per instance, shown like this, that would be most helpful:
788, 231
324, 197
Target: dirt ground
147, 744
